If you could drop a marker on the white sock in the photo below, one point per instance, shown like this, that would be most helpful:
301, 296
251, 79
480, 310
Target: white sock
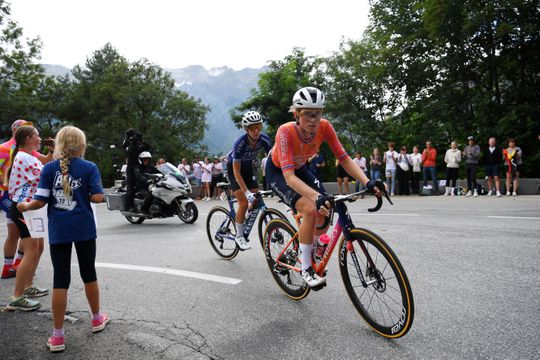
19, 255
239, 229
306, 255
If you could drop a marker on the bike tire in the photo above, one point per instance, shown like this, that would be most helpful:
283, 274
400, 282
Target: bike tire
190, 215
277, 235
386, 304
135, 219
268, 215
221, 231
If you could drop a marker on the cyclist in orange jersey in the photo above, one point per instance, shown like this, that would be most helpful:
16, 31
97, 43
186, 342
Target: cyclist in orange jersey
288, 176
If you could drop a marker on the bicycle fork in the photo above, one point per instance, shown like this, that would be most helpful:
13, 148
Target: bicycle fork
370, 269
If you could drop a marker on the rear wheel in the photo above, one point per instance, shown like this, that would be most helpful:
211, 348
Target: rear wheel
188, 213
268, 215
221, 231
282, 253
135, 219
378, 288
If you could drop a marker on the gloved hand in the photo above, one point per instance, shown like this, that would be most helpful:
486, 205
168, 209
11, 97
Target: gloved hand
321, 202
370, 184
250, 196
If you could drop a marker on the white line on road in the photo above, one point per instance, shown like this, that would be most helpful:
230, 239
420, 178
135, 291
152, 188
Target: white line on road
191, 274
384, 214
515, 217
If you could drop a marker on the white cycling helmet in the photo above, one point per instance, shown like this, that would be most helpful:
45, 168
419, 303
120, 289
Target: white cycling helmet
308, 97
251, 118
144, 155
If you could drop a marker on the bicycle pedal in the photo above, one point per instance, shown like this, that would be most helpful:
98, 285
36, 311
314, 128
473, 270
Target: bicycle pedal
319, 287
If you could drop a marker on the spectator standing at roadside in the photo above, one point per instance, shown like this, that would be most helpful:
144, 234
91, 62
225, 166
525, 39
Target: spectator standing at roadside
206, 179
69, 184
493, 159
217, 177
185, 169
512, 157
390, 159
375, 162
403, 170
471, 154
361, 162
429, 160
452, 158
416, 162
197, 174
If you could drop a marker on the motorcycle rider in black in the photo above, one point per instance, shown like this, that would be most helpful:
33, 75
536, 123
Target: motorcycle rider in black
141, 182
134, 145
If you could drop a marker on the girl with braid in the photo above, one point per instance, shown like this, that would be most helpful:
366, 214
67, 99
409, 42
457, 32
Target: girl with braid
69, 184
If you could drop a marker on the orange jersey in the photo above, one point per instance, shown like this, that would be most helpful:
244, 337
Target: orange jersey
290, 151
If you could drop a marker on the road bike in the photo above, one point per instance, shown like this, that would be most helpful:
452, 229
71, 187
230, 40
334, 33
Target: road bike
372, 274
221, 224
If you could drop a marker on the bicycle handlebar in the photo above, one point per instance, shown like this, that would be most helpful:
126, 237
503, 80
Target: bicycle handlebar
353, 197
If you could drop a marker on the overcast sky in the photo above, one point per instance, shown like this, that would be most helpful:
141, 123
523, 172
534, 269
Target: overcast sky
175, 33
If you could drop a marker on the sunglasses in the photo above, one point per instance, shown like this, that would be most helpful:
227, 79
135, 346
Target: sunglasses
312, 114
255, 127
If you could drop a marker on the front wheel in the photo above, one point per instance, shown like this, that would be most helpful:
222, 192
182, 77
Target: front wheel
135, 219
188, 213
376, 283
268, 215
221, 231
283, 257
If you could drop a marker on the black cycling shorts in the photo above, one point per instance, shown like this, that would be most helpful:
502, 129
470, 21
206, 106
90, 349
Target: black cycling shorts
247, 175
276, 182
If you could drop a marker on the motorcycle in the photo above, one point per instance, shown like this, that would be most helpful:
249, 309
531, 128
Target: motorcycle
169, 191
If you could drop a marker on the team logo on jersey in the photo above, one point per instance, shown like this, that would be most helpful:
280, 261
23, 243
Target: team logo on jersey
63, 202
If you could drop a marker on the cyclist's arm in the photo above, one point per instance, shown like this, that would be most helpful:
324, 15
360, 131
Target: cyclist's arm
299, 186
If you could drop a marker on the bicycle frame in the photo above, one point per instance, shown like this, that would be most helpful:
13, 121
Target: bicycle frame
343, 226
252, 214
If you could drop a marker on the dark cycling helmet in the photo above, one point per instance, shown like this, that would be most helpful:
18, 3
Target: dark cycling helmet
251, 118
308, 97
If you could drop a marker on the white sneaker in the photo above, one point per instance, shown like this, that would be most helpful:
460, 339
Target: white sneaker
514, 193
508, 193
499, 194
208, 199
311, 278
490, 193
242, 243
392, 194
469, 193
475, 193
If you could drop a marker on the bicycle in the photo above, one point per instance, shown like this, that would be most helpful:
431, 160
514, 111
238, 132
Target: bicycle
221, 225
372, 274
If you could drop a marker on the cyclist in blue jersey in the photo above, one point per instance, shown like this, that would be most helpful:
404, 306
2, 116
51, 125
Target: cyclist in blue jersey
240, 168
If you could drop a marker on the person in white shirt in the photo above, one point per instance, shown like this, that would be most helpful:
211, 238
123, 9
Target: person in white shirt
361, 162
184, 168
217, 177
416, 163
390, 158
206, 179
452, 158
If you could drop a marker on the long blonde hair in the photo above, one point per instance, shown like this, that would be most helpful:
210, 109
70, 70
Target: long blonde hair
69, 142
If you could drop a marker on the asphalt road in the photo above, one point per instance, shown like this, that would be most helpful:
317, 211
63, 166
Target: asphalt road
473, 266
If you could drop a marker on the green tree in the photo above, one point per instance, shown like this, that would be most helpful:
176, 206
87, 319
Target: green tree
111, 94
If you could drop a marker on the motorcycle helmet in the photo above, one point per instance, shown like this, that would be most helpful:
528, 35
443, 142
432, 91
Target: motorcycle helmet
144, 155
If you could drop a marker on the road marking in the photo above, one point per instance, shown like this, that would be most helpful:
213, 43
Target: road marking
191, 274
384, 214
515, 217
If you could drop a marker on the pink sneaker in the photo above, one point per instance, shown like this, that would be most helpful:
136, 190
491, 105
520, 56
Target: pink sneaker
99, 325
56, 343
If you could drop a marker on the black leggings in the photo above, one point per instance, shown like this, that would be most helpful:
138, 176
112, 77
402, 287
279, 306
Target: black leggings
471, 176
451, 175
61, 260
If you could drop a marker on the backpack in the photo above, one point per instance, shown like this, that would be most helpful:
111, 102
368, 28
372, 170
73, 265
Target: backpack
480, 189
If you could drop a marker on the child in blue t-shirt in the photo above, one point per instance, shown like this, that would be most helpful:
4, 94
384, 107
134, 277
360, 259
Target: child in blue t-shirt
69, 184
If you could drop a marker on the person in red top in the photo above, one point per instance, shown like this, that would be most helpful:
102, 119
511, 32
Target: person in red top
429, 160
290, 179
10, 245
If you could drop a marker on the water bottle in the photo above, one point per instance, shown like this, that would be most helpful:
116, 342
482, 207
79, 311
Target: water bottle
322, 243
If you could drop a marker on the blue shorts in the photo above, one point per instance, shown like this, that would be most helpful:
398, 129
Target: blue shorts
5, 203
492, 170
276, 182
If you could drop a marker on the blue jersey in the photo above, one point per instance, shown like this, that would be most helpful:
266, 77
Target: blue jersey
70, 218
244, 153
